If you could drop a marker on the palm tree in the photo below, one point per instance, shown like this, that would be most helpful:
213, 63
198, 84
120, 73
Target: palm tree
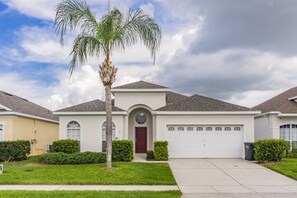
100, 38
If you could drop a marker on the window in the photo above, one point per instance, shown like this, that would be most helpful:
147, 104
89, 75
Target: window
285, 132
190, 128
1, 132
236, 128
180, 128
294, 136
140, 118
199, 128
171, 128
218, 128
227, 128
73, 131
208, 128
104, 131
104, 135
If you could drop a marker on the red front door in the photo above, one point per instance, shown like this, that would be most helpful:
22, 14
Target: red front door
140, 139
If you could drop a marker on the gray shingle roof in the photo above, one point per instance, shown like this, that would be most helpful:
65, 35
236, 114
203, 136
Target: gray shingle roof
21, 105
172, 97
140, 85
280, 103
202, 103
95, 105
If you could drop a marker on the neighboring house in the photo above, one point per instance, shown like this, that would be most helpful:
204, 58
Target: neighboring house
21, 119
278, 118
195, 126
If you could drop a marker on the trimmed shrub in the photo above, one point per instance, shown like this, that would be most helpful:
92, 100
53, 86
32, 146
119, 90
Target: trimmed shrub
270, 150
14, 150
150, 155
292, 154
66, 146
76, 158
122, 150
161, 150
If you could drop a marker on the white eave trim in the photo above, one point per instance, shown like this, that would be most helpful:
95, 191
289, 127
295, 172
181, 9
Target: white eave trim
268, 113
140, 90
27, 115
293, 98
89, 113
206, 112
5, 108
287, 115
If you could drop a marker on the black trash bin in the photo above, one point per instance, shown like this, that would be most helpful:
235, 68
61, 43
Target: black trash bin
249, 150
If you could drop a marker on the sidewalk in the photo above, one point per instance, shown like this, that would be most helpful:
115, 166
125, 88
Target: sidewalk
90, 187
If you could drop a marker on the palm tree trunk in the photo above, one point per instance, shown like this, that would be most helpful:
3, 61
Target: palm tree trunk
108, 127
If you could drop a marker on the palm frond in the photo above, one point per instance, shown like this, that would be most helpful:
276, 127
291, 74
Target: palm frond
72, 14
84, 46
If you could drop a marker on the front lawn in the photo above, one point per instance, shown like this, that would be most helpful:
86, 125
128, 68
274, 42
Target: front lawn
83, 194
125, 173
288, 167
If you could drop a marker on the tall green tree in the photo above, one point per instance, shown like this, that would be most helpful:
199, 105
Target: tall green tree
99, 38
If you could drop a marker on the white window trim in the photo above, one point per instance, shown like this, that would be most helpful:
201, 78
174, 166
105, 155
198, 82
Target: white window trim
3, 131
80, 130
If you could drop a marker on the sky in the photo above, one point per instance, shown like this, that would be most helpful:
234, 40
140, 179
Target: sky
243, 52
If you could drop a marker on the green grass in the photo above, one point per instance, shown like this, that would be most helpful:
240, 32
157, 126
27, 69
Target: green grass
125, 173
83, 194
288, 167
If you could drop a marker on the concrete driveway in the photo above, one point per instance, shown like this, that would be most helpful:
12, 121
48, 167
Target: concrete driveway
230, 178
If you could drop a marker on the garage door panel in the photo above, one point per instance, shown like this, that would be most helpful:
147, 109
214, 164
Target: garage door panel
205, 144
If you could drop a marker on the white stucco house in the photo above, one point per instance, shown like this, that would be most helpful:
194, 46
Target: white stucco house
278, 118
195, 126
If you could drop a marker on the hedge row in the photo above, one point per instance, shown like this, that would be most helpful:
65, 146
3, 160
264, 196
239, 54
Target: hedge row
14, 150
66, 146
76, 158
270, 150
122, 150
161, 150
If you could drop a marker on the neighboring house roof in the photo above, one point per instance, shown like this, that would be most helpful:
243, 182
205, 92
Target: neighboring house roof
172, 97
140, 85
95, 105
280, 103
202, 103
21, 105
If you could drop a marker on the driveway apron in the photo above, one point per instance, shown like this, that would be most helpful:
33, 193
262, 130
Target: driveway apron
230, 178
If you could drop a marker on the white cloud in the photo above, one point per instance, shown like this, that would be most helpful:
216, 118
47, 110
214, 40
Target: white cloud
148, 9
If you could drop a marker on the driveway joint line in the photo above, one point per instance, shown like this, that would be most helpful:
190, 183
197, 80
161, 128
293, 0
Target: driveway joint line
225, 173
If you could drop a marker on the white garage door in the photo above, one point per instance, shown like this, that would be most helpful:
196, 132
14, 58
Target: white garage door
205, 141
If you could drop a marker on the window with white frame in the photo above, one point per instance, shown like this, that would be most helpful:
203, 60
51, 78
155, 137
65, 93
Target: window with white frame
1, 132
199, 128
237, 129
73, 130
294, 136
180, 128
208, 128
104, 135
104, 131
285, 132
218, 128
171, 128
227, 128
190, 128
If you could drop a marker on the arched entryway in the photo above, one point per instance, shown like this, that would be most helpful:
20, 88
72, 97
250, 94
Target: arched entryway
141, 129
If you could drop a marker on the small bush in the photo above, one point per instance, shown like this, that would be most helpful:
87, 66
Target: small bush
292, 154
14, 150
66, 146
270, 150
150, 155
122, 150
161, 150
76, 158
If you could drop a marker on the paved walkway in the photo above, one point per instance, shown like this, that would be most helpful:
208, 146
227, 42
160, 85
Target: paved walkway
88, 187
229, 178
